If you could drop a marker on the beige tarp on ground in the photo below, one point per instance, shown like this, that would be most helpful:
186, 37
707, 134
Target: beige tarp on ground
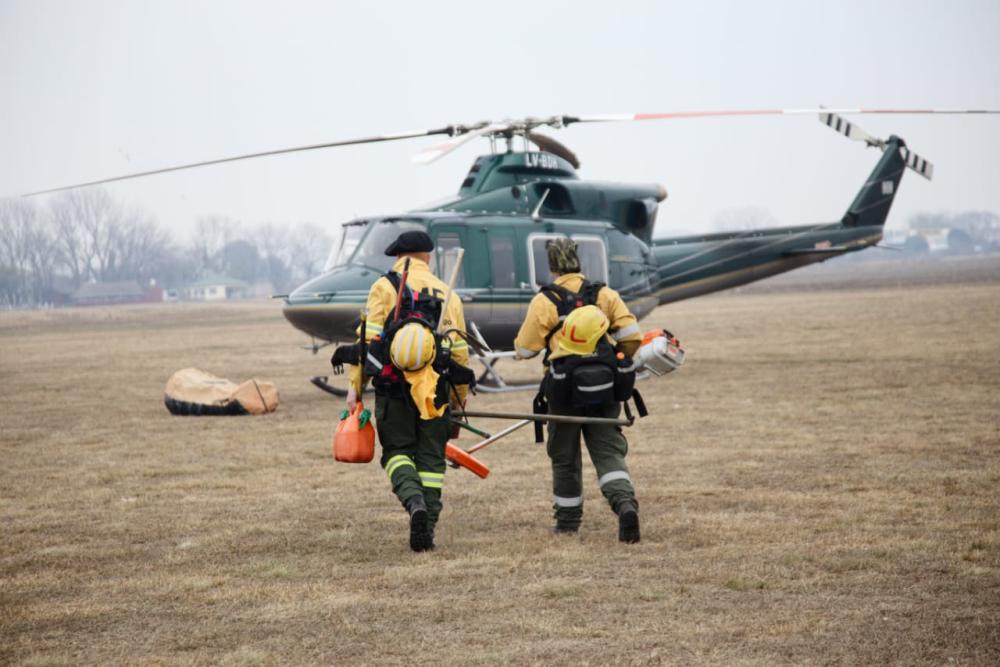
196, 386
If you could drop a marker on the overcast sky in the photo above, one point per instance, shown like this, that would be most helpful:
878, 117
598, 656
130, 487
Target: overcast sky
99, 88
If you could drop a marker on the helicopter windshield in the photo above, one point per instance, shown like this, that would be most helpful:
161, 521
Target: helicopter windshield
350, 236
365, 243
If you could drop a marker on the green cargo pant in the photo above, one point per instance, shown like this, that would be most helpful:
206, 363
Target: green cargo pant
607, 447
412, 451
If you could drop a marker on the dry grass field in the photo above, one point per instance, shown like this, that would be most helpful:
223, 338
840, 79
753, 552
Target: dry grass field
820, 484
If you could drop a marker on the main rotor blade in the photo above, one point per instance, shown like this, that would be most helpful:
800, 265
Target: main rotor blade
465, 134
674, 115
550, 145
248, 156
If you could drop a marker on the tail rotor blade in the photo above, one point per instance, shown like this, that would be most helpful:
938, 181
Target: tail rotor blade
848, 129
917, 163
852, 131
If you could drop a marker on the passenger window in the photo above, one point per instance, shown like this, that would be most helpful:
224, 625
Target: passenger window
593, 259
445, 254
502, 257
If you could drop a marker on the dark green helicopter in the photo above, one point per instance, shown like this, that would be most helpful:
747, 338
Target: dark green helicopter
511, 202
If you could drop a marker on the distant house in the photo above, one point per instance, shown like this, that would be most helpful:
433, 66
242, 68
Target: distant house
213, 287
100, 293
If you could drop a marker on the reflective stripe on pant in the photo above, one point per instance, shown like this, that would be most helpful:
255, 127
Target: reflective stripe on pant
412, 451
607, 448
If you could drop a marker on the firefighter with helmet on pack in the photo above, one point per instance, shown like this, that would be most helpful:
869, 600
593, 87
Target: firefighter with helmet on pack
589, 337
416, 373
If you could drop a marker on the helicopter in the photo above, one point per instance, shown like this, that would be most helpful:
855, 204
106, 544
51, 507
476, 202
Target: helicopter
512, 202
515, 199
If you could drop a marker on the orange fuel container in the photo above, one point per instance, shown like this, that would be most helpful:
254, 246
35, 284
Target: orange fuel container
354, 442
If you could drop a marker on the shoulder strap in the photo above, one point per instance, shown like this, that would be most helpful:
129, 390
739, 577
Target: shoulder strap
394, 279
566, 301
589, 292
558, 295
560, 298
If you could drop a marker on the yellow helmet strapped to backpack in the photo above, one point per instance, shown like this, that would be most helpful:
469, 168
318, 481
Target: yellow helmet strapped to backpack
581, 331
412, 347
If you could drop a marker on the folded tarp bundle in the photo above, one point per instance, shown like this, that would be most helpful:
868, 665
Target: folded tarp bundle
194, 392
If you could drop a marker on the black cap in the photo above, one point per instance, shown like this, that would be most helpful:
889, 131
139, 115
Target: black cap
412, 241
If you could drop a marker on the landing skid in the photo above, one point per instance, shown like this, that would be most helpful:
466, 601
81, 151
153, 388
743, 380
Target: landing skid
490, 381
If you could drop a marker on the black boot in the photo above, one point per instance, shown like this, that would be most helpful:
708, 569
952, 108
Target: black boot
421, 538
628, 523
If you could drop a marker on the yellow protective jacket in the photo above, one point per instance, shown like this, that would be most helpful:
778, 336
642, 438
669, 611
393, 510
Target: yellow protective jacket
382, 301
543, 317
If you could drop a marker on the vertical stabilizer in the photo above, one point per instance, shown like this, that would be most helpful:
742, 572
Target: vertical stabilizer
871, 206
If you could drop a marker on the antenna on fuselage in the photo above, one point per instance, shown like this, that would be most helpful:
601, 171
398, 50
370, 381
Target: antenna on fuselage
536, 215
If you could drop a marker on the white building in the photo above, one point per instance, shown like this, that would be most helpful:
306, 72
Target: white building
213, 287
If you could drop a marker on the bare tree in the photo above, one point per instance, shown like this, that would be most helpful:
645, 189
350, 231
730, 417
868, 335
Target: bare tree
212, 234
272, 243
139, 246
87, 225
16, 218
27, 254
308, 246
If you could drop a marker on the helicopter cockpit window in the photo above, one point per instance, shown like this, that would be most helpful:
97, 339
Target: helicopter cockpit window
371, 249
350, 236
593, 259
445, 255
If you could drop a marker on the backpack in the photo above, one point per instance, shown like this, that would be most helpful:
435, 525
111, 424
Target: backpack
566, 302
583, 381
426, 310
592, 380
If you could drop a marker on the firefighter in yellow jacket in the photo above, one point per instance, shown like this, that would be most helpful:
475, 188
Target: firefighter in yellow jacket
606, 444
416, 374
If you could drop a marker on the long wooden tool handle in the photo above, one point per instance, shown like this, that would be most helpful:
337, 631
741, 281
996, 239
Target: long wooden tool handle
451, 286
402, 288
496, 436
559, 419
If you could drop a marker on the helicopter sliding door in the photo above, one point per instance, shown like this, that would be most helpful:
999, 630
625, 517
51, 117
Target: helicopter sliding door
509, 293
471, 283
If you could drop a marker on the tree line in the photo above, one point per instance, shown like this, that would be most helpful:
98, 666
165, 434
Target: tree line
49, 250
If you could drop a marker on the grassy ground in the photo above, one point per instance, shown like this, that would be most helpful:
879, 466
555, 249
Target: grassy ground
820, 484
